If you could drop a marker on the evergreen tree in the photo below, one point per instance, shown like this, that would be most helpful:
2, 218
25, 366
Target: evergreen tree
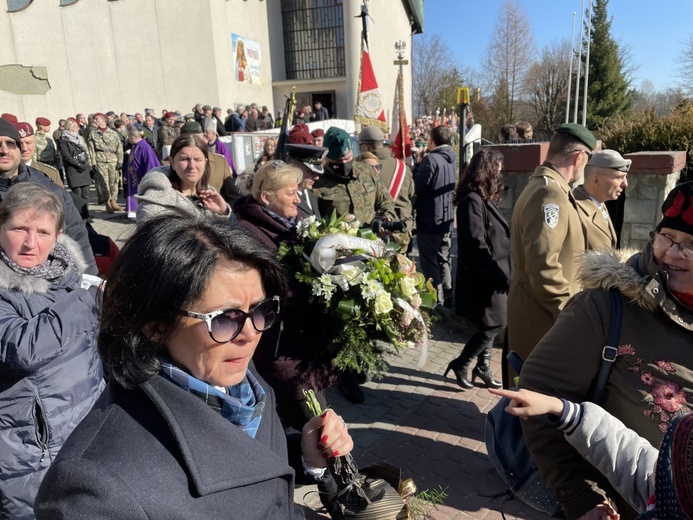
608, 90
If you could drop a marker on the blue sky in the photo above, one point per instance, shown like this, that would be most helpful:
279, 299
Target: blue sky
654, 30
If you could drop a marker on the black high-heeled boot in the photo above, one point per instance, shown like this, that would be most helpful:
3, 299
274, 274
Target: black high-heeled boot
482, 370
460, 368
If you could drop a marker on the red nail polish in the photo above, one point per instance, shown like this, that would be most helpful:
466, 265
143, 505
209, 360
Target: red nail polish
325, 455
324, 414
335, 453
323, 439
321, 446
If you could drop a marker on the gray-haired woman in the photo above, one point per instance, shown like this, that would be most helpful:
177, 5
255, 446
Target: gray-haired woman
50, 373
73, 150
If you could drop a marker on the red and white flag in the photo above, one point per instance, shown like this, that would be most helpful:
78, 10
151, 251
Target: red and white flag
369, 105
400, 140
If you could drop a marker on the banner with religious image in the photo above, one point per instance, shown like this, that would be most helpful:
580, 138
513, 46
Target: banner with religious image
247, 60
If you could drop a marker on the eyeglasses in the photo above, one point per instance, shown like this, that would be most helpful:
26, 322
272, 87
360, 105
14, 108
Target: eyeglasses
225, 325
10, 144
662, 243
378, 167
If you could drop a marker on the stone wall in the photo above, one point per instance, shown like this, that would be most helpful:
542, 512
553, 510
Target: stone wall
652, 176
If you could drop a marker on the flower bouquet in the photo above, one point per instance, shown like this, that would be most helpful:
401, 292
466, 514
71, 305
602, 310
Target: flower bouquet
380, 299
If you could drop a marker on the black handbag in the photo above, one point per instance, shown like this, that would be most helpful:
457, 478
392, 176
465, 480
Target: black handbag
505, 442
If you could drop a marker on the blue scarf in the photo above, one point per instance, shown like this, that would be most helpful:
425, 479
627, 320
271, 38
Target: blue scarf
242, 405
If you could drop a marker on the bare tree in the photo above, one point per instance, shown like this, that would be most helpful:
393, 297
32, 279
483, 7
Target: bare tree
509, 57
546, 86
432, 61
685, 61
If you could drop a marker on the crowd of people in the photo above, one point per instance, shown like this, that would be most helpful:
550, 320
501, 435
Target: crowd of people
120, 398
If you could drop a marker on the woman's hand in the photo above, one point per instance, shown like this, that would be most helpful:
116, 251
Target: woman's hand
325, 436
213, 202
603, 511
525, 403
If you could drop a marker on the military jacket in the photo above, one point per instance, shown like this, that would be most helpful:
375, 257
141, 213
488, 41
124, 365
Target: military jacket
105, 147
599, 230
362, 194
46, 151
167, 134
404, 204
546, 241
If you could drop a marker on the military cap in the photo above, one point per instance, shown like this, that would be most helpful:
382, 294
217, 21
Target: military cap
216, 109
579, 132
300, 127
300, 137
309, 155
24, 129
9, 117
100, 114
207, 107
318, 132
191, 127
169, 114
610, 159
148, 110
7, 129
43, 121
371, 133
190, 116
338, 142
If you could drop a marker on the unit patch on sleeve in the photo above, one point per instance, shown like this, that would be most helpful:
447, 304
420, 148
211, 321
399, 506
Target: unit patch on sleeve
551, 215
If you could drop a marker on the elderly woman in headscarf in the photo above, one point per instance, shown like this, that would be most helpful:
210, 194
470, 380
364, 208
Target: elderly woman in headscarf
73, 150
186, 427
652, 373
50, 372
291, 358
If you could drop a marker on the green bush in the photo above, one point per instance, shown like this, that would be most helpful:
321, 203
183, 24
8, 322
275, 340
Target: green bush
647, 132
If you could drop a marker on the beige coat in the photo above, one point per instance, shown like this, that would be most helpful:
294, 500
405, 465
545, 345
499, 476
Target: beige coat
218, 170
49, 171
546, 239
599, 232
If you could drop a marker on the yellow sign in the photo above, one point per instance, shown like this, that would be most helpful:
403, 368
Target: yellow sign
463, 95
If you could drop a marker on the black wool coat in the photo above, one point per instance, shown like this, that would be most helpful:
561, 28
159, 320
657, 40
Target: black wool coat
483, 262
161, 453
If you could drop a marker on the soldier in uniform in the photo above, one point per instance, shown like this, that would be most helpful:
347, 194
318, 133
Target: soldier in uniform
546, 238
28, 141
396, 177
308, 159
167, 134
605, 179
348, 186
46, 151
105, 150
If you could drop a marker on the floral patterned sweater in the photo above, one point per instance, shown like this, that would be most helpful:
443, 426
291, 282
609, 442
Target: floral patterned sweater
650, 384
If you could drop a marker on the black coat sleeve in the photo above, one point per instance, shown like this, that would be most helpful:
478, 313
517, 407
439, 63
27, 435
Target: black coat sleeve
75, 229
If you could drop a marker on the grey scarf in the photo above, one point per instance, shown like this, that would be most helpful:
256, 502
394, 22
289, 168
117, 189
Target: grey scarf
75, 138
56, 266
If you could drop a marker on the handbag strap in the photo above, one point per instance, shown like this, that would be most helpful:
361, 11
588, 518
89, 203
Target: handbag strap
609, 352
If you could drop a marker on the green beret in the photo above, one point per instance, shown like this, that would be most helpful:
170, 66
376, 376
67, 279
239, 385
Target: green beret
337, 141
191, 127
579, 132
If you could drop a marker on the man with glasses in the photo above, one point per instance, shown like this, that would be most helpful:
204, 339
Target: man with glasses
546, 238
605, 179
13, 170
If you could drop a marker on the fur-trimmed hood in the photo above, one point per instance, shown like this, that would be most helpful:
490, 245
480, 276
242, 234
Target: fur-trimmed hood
11, 281
634, 273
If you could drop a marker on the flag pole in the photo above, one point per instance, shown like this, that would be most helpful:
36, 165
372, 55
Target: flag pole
400, 46
587, 67
577, 76
570, 74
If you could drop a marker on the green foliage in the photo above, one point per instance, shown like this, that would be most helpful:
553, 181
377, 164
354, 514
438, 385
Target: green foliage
647, 132
608, 90
423, 504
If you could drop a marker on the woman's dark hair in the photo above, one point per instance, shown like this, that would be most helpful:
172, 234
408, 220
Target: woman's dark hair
163, 268
183, 141
481, 176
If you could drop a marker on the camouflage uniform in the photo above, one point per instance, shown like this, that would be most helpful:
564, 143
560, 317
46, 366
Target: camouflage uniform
405, 200
46, 151
362, 194
167, 134
105, 153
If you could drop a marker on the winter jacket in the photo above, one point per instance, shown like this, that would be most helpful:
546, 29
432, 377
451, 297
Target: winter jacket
74, 226
50, 375
155, 196
483, 262
434, 184
76, 163
650, 382
270, 232
160, 453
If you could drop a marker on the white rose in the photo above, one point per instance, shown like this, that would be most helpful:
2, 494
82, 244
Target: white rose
383, 303
408, 286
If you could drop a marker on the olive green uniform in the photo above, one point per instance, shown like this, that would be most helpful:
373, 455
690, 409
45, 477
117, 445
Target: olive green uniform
596, 224
361, 193
105, 151
405, 200
546, 238
166, 135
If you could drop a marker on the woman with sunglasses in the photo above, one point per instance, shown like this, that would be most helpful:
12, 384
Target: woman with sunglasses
291, 358
651, 379
181, 188
186, 428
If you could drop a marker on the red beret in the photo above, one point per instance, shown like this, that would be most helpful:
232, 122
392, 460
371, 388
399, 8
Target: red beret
318, 132
43, 121
24, 129
300, 137
301, 127
169, 114
10, 117
100, 114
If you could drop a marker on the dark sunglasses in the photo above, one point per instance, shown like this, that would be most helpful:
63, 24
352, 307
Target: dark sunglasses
225, 324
